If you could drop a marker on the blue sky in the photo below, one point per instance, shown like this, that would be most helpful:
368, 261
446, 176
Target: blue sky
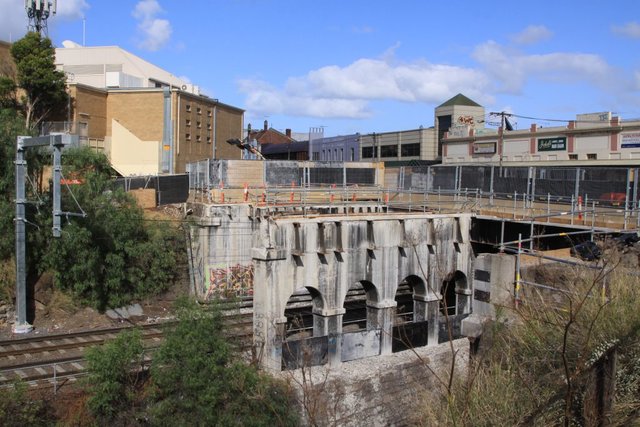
374, 66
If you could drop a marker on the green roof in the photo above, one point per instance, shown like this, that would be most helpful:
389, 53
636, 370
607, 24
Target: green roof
460, 99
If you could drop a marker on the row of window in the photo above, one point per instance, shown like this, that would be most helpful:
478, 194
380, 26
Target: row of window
198, 110
187, 137
334, 155
198, 124
406, 150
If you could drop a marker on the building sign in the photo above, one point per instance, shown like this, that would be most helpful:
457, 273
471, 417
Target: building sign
631, 140
466, 120
458, 131
552, 144
484, 148
604, 116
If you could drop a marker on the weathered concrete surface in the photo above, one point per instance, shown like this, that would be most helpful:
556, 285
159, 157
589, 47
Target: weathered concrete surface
327, 255
493, 282
274, 253
380, 391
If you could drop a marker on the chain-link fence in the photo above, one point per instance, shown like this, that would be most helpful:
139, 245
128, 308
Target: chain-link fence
209, 174
604, 186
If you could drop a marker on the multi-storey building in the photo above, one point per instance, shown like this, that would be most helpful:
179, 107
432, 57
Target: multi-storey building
599, 138
145, 119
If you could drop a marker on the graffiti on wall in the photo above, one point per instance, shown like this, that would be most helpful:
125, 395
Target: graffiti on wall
224, 281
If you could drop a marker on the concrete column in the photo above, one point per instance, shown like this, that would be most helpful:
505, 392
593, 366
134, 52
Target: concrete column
463, 300
329, 323
427, 307
381, 316
268, 326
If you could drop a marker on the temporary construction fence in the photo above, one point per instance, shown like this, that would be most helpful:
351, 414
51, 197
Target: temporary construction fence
207, 175
604, 186
169, 189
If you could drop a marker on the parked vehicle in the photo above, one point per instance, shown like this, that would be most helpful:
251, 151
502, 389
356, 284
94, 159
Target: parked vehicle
586, 251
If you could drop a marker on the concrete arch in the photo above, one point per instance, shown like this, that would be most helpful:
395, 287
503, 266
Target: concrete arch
409, 294
357, 306
456, 294
299, 309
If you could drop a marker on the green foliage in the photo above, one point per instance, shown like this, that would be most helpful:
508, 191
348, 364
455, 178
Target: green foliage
112, 256
199, 380
11, 125
18, 409
37, 76
114, 375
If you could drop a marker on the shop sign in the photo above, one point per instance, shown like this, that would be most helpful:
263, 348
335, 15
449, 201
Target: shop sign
552, 144
484, 148
631, 140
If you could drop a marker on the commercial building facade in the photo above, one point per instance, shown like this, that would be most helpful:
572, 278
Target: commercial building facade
597, 137
404, 145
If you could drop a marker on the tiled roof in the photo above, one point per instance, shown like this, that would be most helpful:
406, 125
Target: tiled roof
460, 99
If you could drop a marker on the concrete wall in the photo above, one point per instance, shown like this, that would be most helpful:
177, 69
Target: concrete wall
381, 391
130, 155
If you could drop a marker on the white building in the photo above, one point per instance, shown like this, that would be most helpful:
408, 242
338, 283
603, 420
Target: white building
110, 67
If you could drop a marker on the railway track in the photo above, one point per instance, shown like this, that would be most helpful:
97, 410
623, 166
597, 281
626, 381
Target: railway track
54, 360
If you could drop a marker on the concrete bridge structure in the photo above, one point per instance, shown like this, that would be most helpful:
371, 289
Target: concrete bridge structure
333, 286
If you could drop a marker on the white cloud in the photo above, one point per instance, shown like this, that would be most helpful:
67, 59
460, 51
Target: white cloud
532, 34
348, 91
71, 9
156, 32
345, 92
511, 69
630, 29
13, 18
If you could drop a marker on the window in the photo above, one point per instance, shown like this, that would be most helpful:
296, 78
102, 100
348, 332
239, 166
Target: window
573, 157
188, 107
208, 140
198, 139
409, 150
367, 152
592, 156
188, 137
188, 122
389, 151
316, 155
342, 154
208, 126
199, 124
209, 113
199, 110
353, 154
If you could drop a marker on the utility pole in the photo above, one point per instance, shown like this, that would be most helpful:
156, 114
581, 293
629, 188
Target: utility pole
56, 142
503, 119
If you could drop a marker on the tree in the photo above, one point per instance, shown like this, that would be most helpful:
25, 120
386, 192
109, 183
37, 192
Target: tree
200, 380
114, 376
18, 409
36, 74
113, 255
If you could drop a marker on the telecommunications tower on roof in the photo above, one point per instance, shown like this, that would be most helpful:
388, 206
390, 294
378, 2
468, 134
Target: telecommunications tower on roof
38, 12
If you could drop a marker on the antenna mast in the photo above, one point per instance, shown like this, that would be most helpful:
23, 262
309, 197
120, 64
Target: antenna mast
38, 11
